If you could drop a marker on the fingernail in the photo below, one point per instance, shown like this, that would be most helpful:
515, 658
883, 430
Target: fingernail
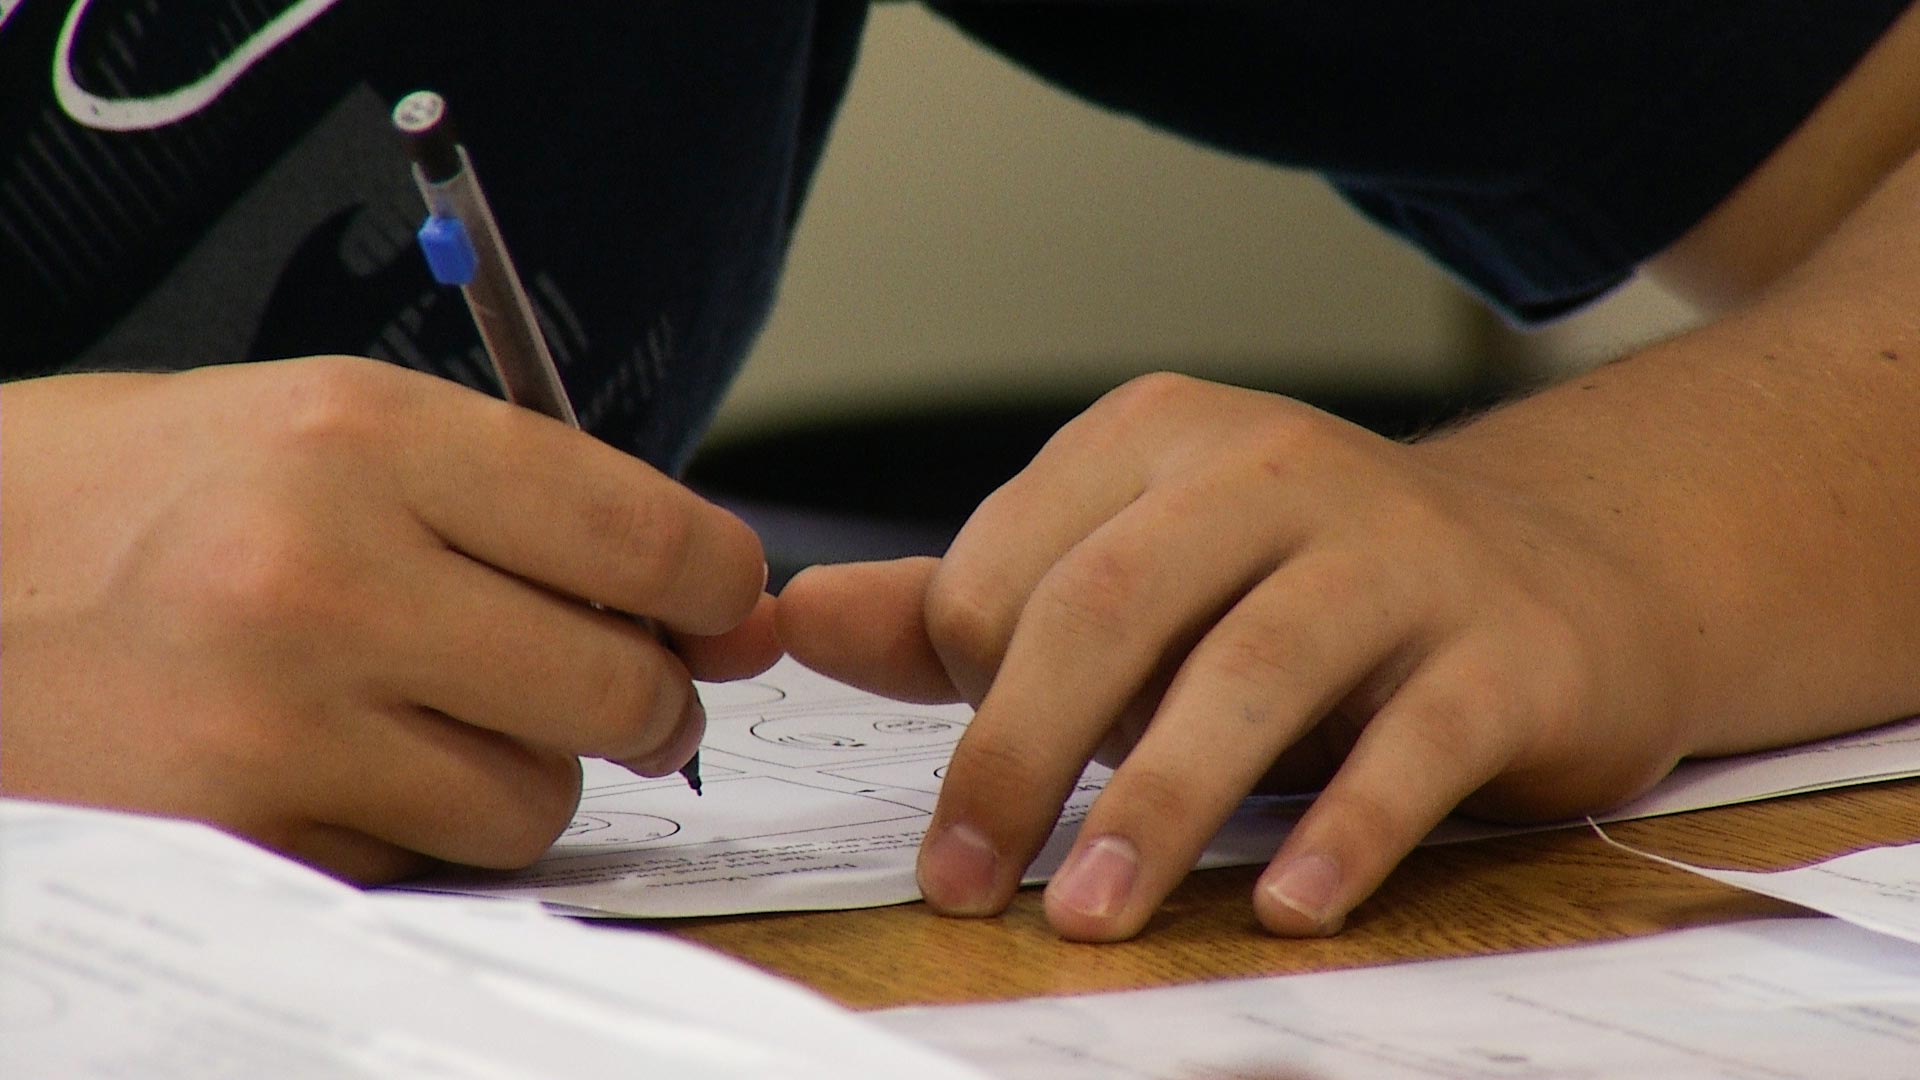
957, 871
1305, 884
1098, 879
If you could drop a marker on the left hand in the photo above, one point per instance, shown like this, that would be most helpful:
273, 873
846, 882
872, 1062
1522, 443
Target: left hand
1228, 588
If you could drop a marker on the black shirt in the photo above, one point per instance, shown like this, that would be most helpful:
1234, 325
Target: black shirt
194, 183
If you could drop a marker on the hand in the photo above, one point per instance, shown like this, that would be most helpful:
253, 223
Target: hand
337, 607
1293, 602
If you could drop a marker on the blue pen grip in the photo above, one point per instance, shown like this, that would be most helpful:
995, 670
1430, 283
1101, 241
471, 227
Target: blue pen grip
449, 252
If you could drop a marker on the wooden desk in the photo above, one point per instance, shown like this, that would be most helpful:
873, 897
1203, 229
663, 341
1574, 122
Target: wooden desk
1515, 893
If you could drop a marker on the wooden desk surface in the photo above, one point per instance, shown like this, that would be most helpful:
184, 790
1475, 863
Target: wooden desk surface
1515, 893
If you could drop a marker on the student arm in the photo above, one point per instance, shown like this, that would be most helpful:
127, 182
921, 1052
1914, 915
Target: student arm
1701, 549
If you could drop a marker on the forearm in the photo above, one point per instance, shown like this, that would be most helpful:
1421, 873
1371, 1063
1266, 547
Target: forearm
1760, 473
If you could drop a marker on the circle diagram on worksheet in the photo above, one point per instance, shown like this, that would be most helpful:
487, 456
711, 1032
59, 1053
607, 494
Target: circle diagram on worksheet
862, 732
615, 827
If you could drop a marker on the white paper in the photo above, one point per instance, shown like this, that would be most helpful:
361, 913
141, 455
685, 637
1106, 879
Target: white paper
1876, 888
816, 797
1787, 999
134, 947
818, 794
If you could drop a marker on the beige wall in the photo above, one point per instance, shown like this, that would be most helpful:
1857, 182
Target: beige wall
975, 232
1640, 313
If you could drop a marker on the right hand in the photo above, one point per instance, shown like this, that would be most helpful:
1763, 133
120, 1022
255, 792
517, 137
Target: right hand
338, 607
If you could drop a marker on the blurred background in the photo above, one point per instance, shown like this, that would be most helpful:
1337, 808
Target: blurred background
982, 256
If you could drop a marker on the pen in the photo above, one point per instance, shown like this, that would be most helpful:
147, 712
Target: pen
463, 247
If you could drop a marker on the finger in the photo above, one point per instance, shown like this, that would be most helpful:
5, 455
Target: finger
678, 750
428, 784
861, 623
1444, 735
1090, 640
499, 653
1078, 481
1261, 677
532, 496
741, 653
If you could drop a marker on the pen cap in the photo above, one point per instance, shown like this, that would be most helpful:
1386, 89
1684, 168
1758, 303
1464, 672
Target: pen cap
421, 119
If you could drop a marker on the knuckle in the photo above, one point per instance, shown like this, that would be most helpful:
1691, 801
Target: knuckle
656, 542
1157, 798
617, 706
325, 402
1347, 581
1450, 726
1114, 422
1258, 656
994, 772
1264, 646
1469, 726
1294, 440
1148, 395
967, 623
1090, 596
1366, 821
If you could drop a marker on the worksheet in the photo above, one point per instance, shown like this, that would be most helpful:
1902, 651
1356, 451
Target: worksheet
1782, 999
817, 796
138, 947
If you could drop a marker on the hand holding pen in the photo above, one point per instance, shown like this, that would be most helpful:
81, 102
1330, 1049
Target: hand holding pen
340, 608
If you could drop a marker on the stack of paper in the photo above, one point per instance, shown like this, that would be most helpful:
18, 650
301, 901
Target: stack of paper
1779, 999
134, 947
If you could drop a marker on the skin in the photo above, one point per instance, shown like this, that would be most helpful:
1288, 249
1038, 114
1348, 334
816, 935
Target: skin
1703, 549
337, 607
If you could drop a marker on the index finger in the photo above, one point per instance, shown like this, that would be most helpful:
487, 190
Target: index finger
534, 497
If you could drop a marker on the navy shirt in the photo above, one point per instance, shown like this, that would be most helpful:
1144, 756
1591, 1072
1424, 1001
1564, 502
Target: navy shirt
194, 183
1540, 149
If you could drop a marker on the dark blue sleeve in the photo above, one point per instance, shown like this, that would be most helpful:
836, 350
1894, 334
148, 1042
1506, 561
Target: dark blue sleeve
1540, 149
